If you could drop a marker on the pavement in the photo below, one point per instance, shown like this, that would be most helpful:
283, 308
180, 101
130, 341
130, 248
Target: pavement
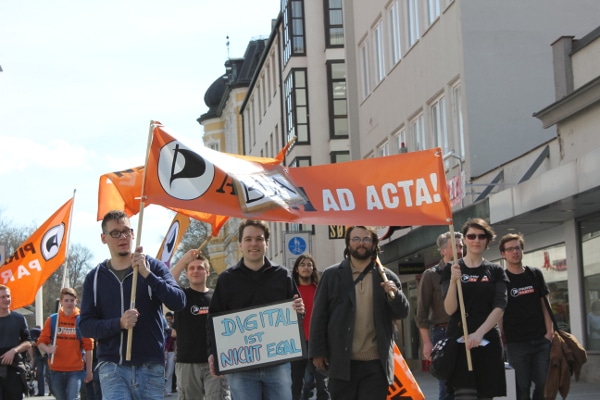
429, 387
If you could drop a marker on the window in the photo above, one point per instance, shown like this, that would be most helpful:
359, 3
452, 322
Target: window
334, 23
379, 53
417, 128
301, 162
383, 149
296, 106
364, 68
400, 141
457, 119
293, 29
393, 14
339, 156
438, 124
338, 104
433, 10
412, 8
589, 232
213, 145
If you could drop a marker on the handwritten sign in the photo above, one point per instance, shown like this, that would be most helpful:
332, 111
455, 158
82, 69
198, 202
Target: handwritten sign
261, 336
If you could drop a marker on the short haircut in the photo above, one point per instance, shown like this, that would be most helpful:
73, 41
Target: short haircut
444, 238
253, 222
68, 292
114, 215
4, 287
508, 237
202, 258
168, 314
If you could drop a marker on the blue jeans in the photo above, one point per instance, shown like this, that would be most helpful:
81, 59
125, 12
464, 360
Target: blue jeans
438, 333
530, 360
268, 383
41, 364
66, 385
125, 382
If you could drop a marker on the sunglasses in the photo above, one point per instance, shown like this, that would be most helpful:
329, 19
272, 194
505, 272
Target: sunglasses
473, 236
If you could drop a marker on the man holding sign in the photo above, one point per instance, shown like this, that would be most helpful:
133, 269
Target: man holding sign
352, 324
253, 282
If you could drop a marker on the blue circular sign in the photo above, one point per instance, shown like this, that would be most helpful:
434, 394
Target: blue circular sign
297, 245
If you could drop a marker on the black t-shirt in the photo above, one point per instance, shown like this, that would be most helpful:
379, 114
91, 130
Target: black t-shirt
13, 331
524, 317
190, 325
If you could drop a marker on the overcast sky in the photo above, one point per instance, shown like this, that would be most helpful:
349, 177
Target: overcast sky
81, 82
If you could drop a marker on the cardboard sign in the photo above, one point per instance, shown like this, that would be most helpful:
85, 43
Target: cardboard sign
257, 337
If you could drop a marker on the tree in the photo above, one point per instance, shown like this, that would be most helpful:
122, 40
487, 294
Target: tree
195, 235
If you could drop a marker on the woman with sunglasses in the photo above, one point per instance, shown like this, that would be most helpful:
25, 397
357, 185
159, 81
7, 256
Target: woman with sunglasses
483, 287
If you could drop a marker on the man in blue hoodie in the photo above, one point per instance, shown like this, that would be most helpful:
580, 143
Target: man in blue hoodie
106, 314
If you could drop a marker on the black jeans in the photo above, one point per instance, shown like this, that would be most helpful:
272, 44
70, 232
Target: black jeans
367, 381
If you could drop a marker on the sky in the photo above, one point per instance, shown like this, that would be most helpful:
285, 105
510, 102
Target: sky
81, 82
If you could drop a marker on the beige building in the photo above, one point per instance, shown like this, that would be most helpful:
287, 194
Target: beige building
386, 76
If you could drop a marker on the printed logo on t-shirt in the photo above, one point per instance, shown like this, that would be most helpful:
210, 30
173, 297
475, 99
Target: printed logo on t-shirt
516, 292
466, 278
195, 310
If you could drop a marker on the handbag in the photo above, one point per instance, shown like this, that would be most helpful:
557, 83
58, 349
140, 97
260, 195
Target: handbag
443, 358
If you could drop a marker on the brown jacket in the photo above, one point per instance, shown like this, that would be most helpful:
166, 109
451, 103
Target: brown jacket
567, 356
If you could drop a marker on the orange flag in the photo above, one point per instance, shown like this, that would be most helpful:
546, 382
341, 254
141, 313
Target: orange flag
405, 385
406, 189
26, 270
174, 235
121, 190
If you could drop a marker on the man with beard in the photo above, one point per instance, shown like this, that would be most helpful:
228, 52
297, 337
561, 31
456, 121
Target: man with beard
352, 325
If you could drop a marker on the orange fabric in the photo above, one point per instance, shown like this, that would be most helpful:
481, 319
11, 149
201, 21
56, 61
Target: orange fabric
405, 189
68, 356
174, 235
405, 385
121, 190
26, 270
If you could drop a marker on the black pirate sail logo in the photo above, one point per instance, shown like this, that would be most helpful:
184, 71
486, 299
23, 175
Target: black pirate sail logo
182, 173
170, 240
51, 241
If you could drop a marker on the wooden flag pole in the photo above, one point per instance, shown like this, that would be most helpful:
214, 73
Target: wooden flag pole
204, 243
383, 275
138, 241
461, 302
64, 278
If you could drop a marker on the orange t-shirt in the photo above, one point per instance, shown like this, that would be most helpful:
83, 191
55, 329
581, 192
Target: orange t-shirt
68, 356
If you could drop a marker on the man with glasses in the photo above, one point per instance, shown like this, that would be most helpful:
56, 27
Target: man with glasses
431, 318
526, 325
352, 325
106, 314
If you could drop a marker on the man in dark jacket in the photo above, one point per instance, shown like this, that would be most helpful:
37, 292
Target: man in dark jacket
352, 325
106, 314
253, 282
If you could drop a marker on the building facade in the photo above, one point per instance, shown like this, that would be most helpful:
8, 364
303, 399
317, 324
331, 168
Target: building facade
371, 79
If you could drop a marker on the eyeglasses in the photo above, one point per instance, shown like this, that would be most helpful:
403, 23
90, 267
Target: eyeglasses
116, 234
473, 236
365, 240
511, 249
306, 265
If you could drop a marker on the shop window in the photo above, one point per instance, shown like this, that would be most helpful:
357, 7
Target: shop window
589, 232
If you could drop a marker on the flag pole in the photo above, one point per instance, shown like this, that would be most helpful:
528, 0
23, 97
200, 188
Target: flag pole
461, 301
204, 243
64, 277
139, 238
383, 275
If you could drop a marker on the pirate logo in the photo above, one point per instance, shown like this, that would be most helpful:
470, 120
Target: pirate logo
51, 241
169, 243
182, 173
